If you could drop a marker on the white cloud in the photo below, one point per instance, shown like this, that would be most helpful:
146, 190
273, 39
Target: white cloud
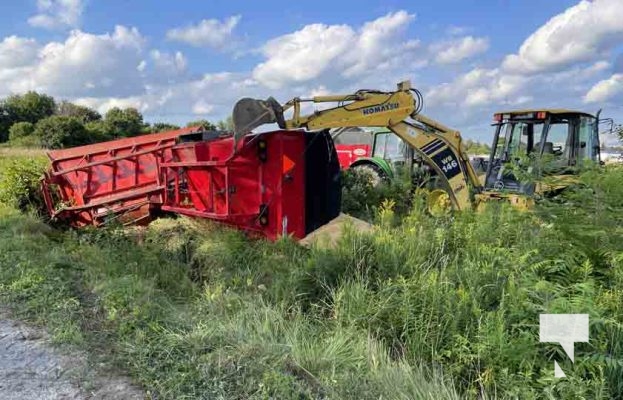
211, 96
207, 33
303, 55
457, 50
556, 66
202, 107
373, 48
478, 87
119, 69
605, 89
104, 104
481, 87
455, 30
17, 52
56, 14
584, 32
87, 65
338, 51
166, 67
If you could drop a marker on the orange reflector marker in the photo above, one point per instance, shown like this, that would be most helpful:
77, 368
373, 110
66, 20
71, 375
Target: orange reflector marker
287, 164
541, 115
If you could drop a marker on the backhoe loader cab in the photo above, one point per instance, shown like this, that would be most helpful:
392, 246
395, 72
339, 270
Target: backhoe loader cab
539, 143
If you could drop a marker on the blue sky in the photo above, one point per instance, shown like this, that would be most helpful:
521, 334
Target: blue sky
183, 60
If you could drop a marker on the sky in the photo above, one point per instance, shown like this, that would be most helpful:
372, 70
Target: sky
183, 60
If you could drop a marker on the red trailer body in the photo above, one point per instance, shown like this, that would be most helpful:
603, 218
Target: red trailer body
89, 184
275, 183
259, 188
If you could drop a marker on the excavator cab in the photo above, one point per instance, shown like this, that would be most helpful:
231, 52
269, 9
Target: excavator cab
532, 144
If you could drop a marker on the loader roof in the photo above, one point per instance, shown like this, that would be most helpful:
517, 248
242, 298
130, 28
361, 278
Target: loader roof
547, 110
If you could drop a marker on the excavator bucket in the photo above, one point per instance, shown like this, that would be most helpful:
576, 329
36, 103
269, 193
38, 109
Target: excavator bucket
250, 113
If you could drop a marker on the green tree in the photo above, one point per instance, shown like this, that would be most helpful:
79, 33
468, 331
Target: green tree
124, 123
474, 147
84, 114
29, 107
226, 124
98, 131
5, 124
207, 125
163, 127
60, 131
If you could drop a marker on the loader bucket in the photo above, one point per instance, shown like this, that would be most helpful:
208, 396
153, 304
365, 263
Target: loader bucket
250, 113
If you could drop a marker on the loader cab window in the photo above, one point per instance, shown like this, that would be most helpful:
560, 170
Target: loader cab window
517, 139
558, 140
588, 148
389, 147
353, 136
573, 139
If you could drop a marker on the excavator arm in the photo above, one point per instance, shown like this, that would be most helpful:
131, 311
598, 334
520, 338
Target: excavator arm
439, 146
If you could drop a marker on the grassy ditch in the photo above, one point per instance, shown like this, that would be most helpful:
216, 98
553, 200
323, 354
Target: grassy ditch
421, 308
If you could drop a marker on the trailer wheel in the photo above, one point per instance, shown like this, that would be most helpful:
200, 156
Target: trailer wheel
370, 171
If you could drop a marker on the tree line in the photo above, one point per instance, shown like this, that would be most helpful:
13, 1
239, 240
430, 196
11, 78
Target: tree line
38, 120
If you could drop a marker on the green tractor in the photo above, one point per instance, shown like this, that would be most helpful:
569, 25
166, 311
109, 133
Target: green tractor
376, 152
379, 153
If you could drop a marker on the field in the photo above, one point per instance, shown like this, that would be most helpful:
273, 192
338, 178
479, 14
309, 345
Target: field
420, 308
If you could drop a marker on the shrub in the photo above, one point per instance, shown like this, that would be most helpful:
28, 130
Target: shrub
362, 199
20, 130
19, 184
21, 134
59, 131
98, 131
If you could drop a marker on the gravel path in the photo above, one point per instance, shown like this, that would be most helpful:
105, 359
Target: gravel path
32, 369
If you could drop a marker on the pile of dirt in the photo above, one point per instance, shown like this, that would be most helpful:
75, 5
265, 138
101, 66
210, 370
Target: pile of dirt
328, 235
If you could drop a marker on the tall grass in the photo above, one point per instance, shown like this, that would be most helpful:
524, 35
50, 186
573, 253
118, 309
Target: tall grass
423, 308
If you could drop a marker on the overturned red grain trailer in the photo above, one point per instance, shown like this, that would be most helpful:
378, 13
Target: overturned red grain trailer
271, 184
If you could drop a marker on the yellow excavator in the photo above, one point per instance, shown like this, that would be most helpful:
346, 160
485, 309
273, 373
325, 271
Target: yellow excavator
399, 111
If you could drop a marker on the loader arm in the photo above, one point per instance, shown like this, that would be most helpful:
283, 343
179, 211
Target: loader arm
439, 146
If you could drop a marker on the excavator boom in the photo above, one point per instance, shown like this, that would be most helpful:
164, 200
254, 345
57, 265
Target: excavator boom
399, 111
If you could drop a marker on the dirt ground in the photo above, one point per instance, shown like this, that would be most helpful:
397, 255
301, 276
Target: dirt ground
30, 368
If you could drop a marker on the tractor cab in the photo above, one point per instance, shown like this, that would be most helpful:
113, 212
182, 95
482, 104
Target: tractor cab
539, 143
375, 149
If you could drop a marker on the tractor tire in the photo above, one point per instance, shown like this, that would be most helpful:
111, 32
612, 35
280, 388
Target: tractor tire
375, 175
